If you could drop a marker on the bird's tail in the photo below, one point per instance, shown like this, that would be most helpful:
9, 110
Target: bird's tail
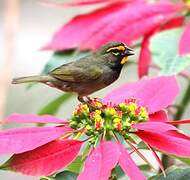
28, 79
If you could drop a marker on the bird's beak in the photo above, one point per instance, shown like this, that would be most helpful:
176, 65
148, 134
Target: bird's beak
126, 53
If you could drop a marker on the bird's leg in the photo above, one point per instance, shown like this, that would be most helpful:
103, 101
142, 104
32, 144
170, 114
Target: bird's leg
88, 99
84, 99
81, 99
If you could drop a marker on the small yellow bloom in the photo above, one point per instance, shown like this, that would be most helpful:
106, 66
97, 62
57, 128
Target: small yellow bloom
143, 113
132, 107
84, 108
127, 123
98, 112
110, 111
123, 106
88, 127
117, 124
99, 122
117, 120
97, 104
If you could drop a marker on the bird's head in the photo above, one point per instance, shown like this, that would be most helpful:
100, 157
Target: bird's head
115, 52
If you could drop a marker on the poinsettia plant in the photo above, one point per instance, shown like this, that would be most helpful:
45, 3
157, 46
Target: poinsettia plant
129, 22
101, 136
104, 128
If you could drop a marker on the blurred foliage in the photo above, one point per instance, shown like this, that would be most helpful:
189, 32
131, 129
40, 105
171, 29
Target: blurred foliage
65, 175
164, 48
76, 165
184, 160
53, 107
174, 173
61, 58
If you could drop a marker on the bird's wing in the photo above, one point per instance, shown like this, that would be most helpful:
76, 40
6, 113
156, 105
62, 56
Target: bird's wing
77, 73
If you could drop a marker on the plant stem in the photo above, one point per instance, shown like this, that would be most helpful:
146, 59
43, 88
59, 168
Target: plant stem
184, 103
166, 160
113, 175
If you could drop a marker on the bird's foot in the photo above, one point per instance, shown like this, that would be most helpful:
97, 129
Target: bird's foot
84, 99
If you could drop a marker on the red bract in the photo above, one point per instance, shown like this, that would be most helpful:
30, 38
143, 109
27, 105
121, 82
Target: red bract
155, 94
104, 158
101, 161
128, 165
25, 139
184, 46
144, 56
38, 151
46, 159
31, 118
115, 22
133, 109
89, 2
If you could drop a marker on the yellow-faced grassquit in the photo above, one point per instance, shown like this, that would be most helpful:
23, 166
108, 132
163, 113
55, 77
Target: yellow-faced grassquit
88, 74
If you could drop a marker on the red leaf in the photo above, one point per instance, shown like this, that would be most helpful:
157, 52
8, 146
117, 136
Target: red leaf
159, 116
101, 161
25, 139
144, 57
116, 22
45, 160
157, 159
89, 2
159, 127
128, 165
86, 2
184, 45
67, 37
31, 118
179, 122
170, 142
161, 92
173, 23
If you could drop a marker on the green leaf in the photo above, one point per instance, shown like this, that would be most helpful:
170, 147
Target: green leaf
61, 58
47, 178
53, 107
86, 152
76, 165
66, 175
142, 145
164, 47
185, 160
145, 167
119, 172
174, 173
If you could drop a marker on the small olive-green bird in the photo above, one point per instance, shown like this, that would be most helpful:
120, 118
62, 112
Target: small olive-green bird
88, 74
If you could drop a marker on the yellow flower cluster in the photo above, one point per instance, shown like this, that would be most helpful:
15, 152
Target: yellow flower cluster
97, 118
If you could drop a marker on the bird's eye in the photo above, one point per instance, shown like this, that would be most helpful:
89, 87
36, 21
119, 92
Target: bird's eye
115, 52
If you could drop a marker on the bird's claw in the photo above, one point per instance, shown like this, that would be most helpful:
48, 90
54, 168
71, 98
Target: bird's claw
84, 99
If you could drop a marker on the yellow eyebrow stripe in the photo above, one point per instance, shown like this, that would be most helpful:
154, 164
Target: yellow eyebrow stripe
120, 48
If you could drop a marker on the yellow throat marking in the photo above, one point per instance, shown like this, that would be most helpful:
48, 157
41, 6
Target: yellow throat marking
124, 60
120, 48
